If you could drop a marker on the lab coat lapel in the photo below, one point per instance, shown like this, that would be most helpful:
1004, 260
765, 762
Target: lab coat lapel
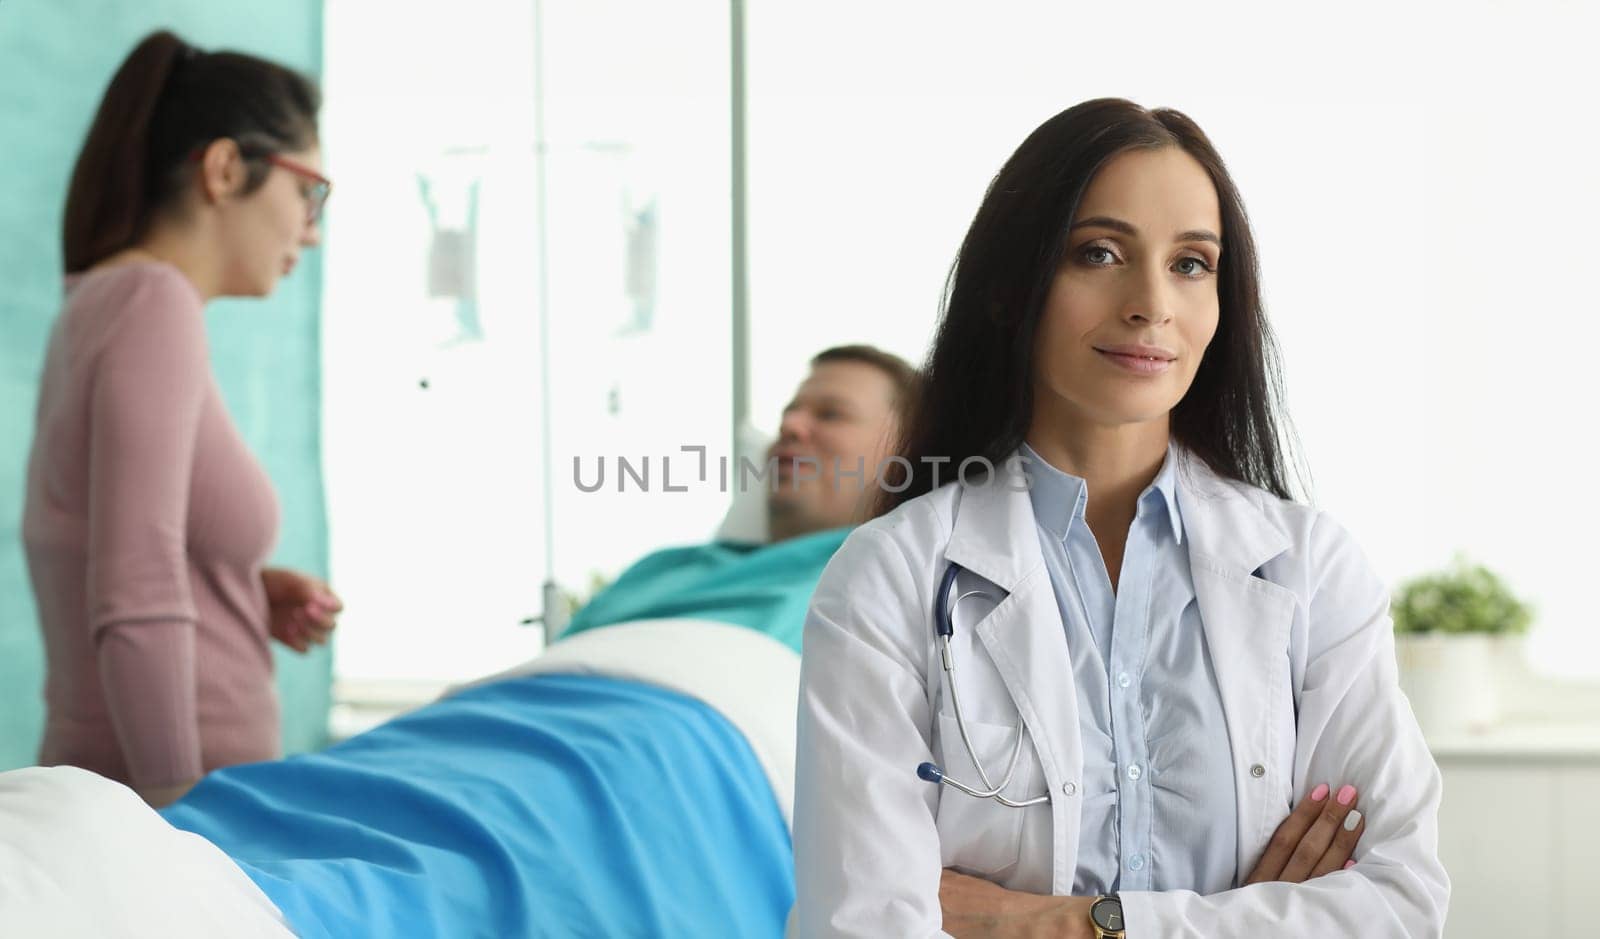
995, 537
1247, 621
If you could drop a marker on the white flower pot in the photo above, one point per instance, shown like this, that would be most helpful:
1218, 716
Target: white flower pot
1450, 681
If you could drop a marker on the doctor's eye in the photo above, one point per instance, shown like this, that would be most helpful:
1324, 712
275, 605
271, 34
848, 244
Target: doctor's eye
1092, 252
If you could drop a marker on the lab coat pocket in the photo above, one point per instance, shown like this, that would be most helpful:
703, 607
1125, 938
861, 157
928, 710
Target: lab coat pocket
1265, 800
981, 836
1282, 738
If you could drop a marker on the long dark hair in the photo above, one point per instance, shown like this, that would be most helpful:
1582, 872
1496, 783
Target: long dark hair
977, 395
167, 99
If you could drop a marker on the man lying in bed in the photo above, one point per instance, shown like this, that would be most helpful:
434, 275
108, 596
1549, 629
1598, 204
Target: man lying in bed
844, 416
633, 780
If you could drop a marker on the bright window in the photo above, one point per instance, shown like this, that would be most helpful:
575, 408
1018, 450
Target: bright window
450, 266
1422, 187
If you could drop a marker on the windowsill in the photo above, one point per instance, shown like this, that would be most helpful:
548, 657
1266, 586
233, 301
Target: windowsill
1544, 742
1528, 696
359, 705
1542, 718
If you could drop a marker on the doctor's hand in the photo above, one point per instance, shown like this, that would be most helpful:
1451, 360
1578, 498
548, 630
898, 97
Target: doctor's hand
1317, 838
302, 608
974, 908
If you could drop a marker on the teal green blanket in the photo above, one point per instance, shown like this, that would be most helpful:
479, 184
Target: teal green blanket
762, 587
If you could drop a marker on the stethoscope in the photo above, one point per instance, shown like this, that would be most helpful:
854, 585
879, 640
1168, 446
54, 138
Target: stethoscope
943, 629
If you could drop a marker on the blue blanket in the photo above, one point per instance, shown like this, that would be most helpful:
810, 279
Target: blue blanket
552, 805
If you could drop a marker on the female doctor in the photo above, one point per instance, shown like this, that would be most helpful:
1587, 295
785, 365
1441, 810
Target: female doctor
1122, 684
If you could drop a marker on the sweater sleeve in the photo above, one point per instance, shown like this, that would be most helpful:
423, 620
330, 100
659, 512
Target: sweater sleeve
149, 384
147, 676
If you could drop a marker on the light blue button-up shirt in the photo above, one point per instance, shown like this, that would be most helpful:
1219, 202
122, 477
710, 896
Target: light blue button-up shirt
1158, 809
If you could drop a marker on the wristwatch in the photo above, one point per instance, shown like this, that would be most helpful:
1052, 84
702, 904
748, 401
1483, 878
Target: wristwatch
1105, 915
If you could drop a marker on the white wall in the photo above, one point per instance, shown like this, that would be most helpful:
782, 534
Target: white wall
1421, 179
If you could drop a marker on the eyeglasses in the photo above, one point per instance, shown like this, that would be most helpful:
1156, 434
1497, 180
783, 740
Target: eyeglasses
320, 186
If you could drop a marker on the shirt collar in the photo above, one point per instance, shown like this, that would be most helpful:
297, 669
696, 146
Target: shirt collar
1060, 497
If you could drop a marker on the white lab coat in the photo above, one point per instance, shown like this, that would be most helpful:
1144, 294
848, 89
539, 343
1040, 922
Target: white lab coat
1301, 641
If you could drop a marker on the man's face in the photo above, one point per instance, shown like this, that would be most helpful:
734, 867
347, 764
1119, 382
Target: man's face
842, 418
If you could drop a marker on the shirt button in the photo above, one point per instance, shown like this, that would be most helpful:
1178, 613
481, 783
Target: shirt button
1258, 771
1134, 773
1136, 863
1123, 680
1070, 788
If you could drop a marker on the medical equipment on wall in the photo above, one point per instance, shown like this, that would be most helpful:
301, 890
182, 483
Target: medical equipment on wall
944, 627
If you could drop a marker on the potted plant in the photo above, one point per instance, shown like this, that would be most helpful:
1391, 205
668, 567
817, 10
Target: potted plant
1449, 628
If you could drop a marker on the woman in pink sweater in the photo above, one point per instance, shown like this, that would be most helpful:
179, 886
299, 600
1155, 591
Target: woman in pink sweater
147, 519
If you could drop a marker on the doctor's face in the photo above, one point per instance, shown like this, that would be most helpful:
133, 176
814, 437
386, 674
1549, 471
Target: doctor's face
1134, 303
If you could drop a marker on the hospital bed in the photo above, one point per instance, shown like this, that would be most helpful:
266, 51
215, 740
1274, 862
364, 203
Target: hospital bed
632, 781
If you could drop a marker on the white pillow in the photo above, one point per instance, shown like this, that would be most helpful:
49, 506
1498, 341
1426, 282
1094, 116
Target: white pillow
746, 520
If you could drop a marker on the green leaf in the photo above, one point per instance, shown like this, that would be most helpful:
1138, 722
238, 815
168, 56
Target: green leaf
1465, 598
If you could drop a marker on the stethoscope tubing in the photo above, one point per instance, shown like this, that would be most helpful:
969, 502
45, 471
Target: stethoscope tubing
944, 629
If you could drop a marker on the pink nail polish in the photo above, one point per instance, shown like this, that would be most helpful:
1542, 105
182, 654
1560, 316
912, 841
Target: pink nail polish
1319, 793
1347, 795
1350, 863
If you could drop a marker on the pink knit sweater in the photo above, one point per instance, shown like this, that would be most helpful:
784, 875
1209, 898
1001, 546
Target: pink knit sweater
146, 524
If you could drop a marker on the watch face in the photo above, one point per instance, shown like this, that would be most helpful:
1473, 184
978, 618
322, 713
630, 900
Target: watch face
1107, 913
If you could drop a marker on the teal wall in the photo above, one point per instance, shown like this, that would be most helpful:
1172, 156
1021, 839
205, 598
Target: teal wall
56, 57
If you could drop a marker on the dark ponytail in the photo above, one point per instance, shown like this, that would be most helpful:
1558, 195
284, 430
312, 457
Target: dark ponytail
165, 101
